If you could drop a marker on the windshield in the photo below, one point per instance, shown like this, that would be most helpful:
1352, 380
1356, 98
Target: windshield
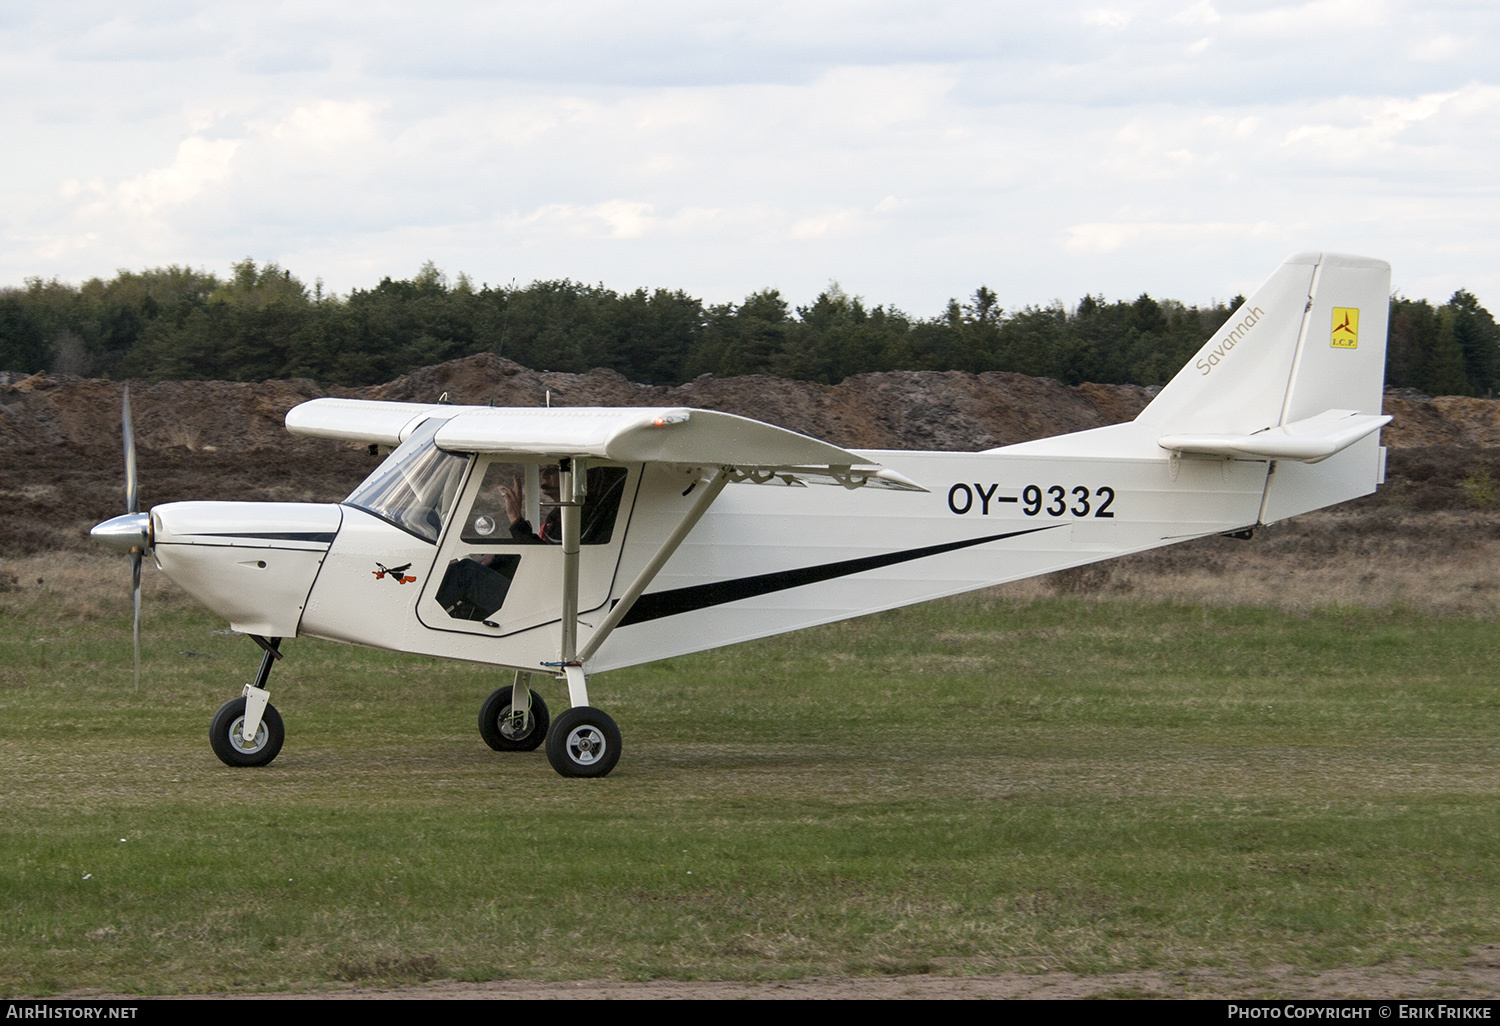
415, 486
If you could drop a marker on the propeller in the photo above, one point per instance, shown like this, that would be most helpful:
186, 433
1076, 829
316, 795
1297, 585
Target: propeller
131, 533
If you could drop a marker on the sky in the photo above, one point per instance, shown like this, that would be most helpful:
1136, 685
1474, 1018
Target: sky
908, 151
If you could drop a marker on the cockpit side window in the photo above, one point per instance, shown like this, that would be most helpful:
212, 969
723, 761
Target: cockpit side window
517, 504
416, 485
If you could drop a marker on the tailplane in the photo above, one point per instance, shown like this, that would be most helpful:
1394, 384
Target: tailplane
1294, 377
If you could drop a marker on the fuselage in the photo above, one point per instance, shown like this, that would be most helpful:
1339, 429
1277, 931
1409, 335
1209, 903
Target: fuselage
765, 559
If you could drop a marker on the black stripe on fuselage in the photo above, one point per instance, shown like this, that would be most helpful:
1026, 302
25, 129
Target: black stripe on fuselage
658, 604
303, 536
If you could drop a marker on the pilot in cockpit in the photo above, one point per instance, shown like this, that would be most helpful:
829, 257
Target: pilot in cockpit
476, 584
515, 508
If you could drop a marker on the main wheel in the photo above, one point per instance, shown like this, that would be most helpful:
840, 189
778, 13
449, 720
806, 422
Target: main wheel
498, 727
234, 750
583, 742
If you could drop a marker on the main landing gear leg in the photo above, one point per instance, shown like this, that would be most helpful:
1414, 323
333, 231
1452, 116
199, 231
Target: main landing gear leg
247, 731
584, 741
514, 718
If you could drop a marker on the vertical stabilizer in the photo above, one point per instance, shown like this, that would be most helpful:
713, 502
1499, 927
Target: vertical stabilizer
1311, 339
1237, 383
1341, 356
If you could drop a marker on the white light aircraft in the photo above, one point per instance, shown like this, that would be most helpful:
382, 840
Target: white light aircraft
566, 542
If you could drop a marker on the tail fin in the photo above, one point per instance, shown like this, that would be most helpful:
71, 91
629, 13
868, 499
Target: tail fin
1302, 366
1311, 339
1294, 377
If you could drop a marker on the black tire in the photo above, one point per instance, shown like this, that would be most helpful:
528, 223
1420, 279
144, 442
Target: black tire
224, 735
496, 709
583, 742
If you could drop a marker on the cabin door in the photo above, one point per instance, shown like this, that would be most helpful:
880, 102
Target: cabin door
499, 565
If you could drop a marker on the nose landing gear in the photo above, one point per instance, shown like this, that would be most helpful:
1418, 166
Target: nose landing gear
247, 731
226, 735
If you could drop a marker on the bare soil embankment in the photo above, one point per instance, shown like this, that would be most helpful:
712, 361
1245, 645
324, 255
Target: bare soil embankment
1429, 538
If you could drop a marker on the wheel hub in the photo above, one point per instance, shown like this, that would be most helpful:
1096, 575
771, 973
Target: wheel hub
515, 724
237, 739
585, 745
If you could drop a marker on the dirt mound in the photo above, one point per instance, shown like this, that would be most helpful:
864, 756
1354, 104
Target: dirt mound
894, 410
897, 410
60, 448
1446, 420
62, 410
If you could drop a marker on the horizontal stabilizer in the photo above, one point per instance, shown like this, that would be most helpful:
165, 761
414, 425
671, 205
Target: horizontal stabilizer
1310, 440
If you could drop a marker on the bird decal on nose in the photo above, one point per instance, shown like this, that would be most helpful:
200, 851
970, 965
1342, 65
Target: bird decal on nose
397, 573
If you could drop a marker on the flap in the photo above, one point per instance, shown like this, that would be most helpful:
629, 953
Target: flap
1310, 440
638, 434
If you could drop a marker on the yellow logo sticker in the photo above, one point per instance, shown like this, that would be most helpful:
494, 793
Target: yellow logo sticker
1345, 327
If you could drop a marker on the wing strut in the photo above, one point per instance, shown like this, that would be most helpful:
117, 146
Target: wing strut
648, 572
570, 489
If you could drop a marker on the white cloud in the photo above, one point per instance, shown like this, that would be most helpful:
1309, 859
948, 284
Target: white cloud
201, 165
1441, 47
1108, 18
324, 126
843, 223
1201, 13
1372, 135
617, 219
908, 150
1110, 237
1329, 22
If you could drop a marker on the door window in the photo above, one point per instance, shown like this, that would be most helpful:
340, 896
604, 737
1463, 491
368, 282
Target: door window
517, 504
502, 560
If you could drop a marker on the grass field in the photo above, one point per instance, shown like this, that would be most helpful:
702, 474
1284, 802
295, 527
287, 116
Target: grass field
972, 786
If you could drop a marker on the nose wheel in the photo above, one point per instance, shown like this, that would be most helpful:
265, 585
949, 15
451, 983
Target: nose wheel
583, 742
226, 735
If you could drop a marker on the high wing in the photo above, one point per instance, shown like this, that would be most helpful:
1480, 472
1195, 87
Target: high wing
676, 435
362, 420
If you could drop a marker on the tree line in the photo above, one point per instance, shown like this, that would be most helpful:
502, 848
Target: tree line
176, 323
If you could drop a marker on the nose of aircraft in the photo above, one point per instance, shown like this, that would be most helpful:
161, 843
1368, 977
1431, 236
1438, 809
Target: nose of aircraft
125, 534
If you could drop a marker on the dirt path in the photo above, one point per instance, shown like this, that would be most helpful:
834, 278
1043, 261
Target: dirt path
1479, 978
